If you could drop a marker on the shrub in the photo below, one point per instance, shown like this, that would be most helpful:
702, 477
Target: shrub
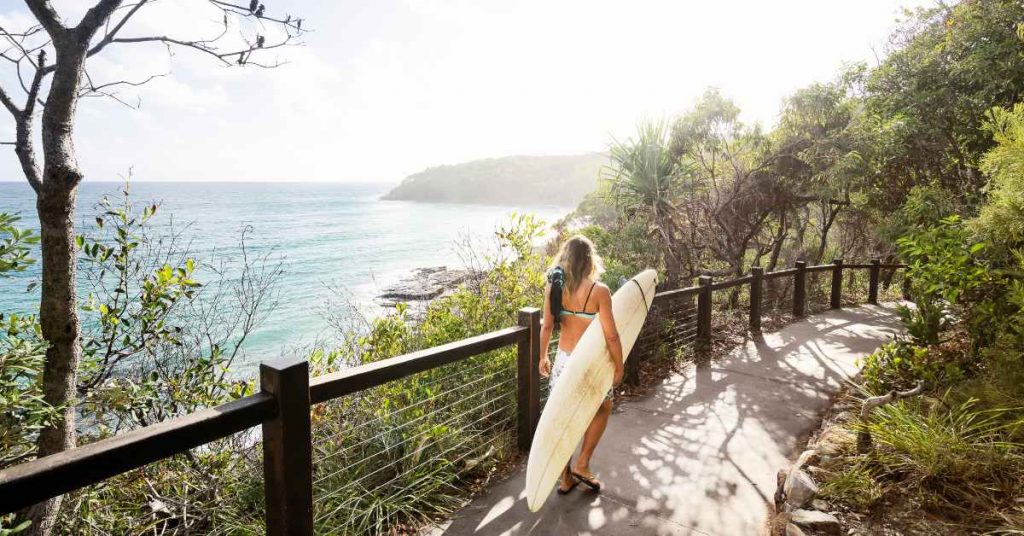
1001, 221
22, 409
900, 365
956, 458
944, 266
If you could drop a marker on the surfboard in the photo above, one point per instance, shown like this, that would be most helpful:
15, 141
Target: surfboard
581, 388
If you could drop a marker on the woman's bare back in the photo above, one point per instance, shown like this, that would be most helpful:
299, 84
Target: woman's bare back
572, 326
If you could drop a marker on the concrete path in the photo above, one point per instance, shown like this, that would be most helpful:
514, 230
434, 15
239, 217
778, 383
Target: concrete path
699, 455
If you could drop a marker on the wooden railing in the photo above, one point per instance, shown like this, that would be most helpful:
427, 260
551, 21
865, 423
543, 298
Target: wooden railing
282, 407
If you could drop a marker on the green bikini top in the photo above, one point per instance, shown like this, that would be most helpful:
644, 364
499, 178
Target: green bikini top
582, 313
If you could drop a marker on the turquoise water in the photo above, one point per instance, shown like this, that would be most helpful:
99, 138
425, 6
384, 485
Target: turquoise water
340, 235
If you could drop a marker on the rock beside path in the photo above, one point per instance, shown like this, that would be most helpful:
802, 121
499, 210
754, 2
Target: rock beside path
817, 521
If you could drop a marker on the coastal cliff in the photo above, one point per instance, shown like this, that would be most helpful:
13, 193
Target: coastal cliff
527, 180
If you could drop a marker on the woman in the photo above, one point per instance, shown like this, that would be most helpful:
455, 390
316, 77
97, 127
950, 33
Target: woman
573, 298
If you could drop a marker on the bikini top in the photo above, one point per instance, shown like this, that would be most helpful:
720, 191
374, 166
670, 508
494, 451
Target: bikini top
557, 279
582, 313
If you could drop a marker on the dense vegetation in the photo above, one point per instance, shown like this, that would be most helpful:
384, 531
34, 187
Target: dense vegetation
512, 180
919, 159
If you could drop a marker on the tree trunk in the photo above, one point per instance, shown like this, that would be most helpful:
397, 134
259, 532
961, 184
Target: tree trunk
830, 217
58, 318
58, 311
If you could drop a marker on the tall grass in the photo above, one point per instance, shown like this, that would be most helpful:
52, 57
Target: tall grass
955, 459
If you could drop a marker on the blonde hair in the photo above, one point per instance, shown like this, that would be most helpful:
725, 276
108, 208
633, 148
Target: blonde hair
579, 260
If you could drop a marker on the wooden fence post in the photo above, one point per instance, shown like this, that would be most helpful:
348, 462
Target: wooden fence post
906, 286
528, 392
288, 449
873, 277
704, 312
757, 278
836, 300
800, 289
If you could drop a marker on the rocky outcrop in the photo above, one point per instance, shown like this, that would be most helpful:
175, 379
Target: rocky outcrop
423, 285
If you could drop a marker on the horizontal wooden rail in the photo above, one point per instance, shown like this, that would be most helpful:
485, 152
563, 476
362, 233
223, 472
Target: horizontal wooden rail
355, 379
676, 293
31, 482
729, 283
821, 268
780, 273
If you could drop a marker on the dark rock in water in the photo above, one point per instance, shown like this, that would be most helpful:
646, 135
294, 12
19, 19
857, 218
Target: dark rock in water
424, 284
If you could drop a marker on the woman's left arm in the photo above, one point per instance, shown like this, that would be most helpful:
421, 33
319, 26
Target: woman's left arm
611, 333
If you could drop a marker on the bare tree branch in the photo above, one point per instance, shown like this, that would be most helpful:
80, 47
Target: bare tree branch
17, 42
293, 28
239, 56
90, 88
97, 16
9, 104
24, 147
109, 36
47, 17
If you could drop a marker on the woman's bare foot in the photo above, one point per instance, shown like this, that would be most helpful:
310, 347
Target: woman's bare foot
567, 482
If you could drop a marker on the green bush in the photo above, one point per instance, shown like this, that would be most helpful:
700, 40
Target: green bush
22, 409
626, 249
900, 365
945, 268
1001, 221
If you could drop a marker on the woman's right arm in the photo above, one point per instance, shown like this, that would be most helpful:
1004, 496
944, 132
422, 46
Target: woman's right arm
611, 332
547, 326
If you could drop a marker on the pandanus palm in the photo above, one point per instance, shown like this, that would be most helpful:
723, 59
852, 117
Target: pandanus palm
644, 181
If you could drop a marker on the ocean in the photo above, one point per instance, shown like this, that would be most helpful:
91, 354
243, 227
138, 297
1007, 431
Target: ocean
337, 235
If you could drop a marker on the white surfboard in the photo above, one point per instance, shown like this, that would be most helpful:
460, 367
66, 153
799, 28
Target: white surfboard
581, 388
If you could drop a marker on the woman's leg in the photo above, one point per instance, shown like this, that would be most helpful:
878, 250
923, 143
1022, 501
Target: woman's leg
592, 436
565, 483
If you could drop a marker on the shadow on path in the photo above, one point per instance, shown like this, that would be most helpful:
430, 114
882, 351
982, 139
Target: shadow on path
699, 455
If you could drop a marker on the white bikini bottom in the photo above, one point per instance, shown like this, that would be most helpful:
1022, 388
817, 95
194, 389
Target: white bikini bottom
558, 365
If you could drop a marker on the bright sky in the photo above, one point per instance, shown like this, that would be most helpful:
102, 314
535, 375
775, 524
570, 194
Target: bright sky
385, 88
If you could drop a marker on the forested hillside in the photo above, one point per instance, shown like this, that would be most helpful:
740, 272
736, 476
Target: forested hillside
525, 180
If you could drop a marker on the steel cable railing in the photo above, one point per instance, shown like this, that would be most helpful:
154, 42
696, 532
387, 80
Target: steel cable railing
334, 492
425, 401
670, 331
186, 493
380, 452
507, 385
357, 512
